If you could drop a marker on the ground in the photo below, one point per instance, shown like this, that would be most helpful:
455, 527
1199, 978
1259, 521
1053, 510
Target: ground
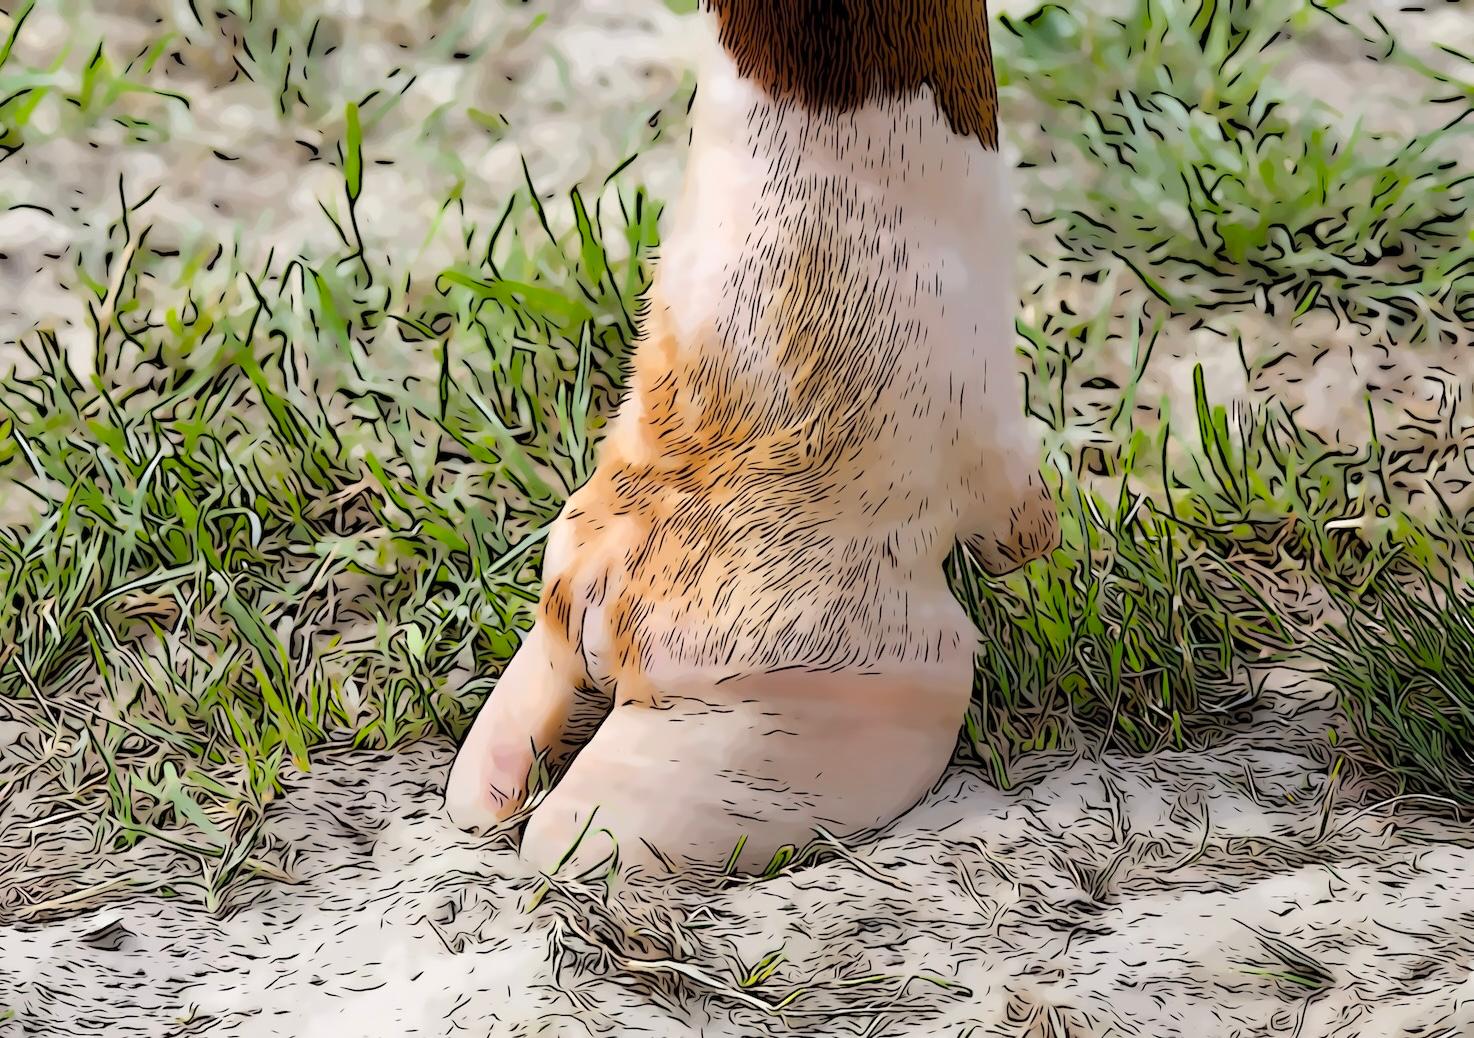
1224, 893
1254, 883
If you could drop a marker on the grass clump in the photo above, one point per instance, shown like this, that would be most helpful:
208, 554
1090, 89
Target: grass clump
250, 538
82, 90
1257, 483
1138, 634
1235, 192
1198, 543
1403, 666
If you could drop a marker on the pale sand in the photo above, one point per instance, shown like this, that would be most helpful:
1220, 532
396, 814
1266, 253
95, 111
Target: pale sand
1117, 896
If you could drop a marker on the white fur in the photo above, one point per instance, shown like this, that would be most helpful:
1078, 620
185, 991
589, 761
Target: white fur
961, 407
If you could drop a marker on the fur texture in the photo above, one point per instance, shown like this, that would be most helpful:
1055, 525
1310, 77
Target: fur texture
837, 55
823, 402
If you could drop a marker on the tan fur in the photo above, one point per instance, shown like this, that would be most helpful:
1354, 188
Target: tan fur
1030, 532
821, 406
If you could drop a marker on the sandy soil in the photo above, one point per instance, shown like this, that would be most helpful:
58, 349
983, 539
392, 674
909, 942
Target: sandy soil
1126, 897
1113, 896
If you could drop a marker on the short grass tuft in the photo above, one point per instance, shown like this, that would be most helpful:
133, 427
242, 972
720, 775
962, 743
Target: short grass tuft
1403, 666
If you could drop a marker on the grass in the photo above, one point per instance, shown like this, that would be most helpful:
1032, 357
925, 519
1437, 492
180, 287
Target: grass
244, 550
1293, 967
248, 537
1239, 190
1241, 198
86, 90
1404, 663
232, 566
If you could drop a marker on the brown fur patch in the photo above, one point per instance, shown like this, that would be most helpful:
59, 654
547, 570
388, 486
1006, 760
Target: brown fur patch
838, 54
557, 609
1032, 532
823, 301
